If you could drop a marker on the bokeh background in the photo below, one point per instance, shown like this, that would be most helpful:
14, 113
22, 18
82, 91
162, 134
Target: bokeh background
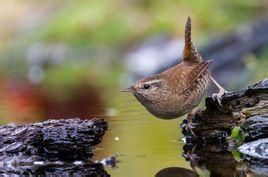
64, 59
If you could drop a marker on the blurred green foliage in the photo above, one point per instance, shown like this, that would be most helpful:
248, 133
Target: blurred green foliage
118, 24
121, 22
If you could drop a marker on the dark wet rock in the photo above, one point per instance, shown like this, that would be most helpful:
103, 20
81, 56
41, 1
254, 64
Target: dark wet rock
65, 139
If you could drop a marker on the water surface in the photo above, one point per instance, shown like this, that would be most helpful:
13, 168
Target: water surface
142, 143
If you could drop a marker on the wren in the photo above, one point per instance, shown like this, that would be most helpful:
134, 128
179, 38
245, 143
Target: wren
179, 89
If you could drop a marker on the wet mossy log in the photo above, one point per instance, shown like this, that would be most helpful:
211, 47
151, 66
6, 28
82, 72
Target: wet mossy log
52, 140
246, 108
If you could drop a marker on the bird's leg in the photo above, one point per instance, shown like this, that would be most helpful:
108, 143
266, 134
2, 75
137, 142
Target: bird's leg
190, 117
222, 91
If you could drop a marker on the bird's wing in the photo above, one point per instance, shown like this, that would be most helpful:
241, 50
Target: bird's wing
184, 75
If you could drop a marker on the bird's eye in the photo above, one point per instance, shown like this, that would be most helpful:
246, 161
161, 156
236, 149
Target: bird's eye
146, 86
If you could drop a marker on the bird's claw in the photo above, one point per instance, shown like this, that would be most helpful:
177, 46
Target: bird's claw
218, 96
191, 156
189, 128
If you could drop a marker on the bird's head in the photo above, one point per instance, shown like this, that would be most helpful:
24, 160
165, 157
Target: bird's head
148, 89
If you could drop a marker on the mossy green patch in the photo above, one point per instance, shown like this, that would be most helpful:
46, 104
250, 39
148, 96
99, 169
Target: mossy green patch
237, 135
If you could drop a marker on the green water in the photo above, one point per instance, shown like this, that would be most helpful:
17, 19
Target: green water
142, 143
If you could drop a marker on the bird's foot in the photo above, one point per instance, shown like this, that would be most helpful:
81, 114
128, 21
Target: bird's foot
191, 157
189, 127
218, 96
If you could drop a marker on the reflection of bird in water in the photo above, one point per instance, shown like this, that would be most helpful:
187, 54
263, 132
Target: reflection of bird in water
179, 89
176, 172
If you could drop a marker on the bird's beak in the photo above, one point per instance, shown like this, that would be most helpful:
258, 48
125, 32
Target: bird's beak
130, 89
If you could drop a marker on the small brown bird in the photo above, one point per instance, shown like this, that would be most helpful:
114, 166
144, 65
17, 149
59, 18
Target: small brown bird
179, 89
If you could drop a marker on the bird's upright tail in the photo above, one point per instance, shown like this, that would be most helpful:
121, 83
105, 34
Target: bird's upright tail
190, 53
